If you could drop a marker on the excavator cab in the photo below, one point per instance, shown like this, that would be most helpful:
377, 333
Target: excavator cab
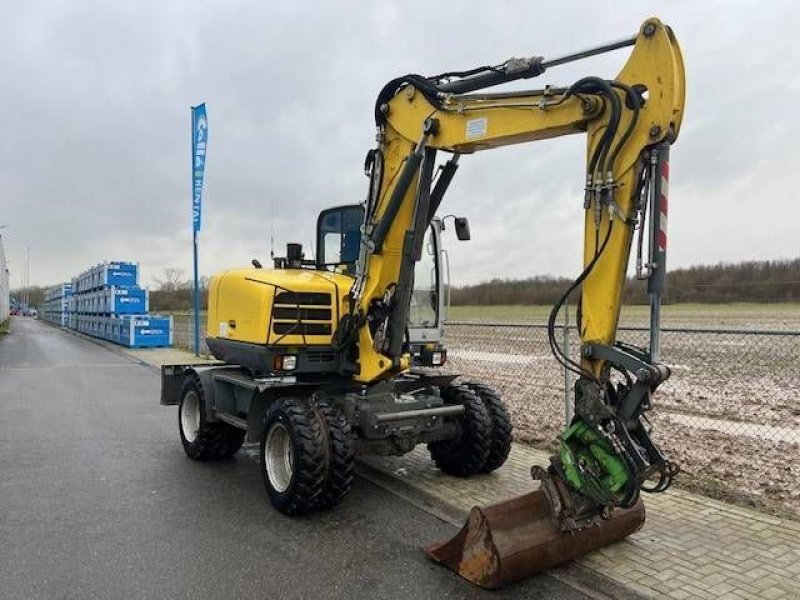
338, 247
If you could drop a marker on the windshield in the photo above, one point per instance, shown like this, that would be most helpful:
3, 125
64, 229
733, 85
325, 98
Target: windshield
339, 236
424, 299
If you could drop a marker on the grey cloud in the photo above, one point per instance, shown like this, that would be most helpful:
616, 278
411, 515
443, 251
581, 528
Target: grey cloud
94, 156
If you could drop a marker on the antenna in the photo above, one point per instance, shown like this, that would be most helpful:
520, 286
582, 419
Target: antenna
271, 230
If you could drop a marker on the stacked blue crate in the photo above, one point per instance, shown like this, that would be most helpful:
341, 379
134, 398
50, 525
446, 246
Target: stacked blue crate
55, 305
142, 331
108, 303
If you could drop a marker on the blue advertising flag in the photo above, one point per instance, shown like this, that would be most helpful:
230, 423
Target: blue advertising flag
199, 144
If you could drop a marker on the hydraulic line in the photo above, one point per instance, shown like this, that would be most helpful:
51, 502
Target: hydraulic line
558, 353
635, 101
602, 87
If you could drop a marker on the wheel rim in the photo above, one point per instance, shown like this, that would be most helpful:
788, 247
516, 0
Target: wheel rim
278, 457
190, 417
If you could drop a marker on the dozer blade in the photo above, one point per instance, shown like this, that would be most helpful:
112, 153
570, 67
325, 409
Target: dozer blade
516, 538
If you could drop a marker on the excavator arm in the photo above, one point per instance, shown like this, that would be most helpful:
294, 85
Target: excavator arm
606, 455
418, 117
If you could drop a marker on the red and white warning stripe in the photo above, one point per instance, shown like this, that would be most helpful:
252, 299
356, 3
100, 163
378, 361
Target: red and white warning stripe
662, 207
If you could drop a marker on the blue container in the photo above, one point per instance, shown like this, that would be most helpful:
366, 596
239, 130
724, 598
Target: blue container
120, 275
115, 273
120, 301
143, 331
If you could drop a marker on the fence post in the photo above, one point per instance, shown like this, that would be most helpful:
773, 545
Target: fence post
567, 403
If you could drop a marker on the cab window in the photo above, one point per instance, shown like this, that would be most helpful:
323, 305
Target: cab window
339, 237
424, 298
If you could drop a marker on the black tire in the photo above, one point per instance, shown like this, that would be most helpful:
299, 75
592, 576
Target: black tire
501, 436
204, 440
294, 487
340, 455
466, 454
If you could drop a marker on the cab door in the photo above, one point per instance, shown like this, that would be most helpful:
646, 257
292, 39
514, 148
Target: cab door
428, 300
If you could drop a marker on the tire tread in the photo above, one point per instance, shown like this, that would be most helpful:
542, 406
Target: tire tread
501, 435
467, 454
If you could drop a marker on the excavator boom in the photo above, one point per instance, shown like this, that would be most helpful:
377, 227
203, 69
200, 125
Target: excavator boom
589, 495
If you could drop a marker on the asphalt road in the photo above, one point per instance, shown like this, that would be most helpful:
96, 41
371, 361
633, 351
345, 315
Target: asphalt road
98, 500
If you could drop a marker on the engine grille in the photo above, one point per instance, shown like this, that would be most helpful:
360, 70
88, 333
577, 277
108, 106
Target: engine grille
303, 298
302, 313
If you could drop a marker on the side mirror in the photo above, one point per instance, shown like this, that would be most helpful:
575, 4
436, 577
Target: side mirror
462, 228
256, 264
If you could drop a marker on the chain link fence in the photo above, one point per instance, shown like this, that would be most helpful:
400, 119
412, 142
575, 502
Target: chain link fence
729, 414
183, 331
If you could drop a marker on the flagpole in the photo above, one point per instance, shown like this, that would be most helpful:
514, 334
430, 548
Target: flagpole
199, 147
196, 300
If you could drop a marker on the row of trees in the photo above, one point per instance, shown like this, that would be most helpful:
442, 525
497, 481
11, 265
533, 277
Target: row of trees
173, 291
751, 281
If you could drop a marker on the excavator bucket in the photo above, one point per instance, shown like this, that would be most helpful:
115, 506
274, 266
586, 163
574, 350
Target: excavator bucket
516, 538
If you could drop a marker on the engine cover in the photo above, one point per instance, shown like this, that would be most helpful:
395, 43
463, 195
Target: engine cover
285, 307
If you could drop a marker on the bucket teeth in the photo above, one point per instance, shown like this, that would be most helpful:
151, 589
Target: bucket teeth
516, 538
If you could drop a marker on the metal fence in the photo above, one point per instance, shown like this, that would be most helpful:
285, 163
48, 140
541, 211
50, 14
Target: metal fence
183, 331
729, 414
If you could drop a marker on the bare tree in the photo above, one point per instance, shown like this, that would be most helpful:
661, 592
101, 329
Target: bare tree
172, 280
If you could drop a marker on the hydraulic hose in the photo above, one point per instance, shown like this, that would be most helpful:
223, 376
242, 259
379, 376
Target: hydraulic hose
558, 353
635, 101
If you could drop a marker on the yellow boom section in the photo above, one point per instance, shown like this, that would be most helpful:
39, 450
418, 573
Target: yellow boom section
467, 124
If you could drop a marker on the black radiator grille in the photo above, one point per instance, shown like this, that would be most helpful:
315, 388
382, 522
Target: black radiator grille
294, 328
320, 357
303, 298
302, 313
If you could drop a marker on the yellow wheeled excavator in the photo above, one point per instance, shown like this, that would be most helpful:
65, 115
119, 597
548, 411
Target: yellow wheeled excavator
318, 357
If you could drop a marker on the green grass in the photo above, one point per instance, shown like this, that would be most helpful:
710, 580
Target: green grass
4, 327
780, 316
784, 316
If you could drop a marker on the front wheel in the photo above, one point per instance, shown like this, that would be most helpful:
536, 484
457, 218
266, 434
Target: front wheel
293, 456
339, 453
501, 435
466, 454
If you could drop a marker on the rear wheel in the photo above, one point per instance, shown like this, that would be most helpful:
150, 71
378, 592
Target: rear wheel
202, 439
293, 456
501, 435
339, 454
467, 453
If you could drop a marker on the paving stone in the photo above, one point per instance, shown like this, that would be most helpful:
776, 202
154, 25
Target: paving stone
774, 594
721, 589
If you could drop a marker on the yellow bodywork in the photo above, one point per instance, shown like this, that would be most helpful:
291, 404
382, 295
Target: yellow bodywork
470, 124
241, 303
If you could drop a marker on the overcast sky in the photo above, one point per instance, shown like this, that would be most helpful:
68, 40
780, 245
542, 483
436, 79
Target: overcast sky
95, 127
